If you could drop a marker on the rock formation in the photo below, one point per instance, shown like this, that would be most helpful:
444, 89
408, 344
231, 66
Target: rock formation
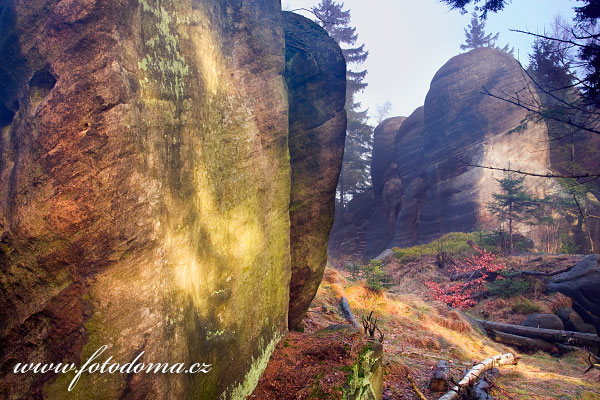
581, 285
145, 192
315, 75
386, 184
434, 191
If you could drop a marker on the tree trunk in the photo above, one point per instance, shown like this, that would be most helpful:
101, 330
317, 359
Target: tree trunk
476, 372
510, 235
441, 377
521, 341
342, 201
550, 335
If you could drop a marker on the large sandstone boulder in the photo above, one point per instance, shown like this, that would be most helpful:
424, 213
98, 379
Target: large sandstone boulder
144, 193
545, 321
573, 321
435, 190
581, 284
462, 125
315, 75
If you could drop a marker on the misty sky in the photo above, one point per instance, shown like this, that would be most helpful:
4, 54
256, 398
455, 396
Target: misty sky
409, 40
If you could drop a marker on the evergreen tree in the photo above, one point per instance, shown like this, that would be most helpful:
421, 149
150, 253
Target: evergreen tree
584, 37
548, 67
513, 203
476, 37
355, 174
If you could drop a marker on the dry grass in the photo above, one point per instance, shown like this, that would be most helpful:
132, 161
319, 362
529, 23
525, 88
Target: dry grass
419, 332
453, 321
558, 301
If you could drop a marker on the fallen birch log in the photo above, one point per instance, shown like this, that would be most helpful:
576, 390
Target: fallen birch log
549, 335
475, 373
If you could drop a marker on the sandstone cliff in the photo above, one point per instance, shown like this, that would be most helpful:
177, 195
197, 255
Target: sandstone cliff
434, 191
387, 185
316, 80
145, 192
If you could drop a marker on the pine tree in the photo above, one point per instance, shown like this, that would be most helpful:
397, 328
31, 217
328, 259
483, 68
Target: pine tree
513, 203
355, 174
476, 36
548, 67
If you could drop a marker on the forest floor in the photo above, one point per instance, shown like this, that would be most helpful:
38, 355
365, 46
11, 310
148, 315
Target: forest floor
419, 332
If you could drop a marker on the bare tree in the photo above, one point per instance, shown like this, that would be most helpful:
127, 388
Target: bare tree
382, 111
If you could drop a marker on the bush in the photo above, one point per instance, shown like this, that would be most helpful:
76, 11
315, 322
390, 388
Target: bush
507, 285
569, 246
481, 267
500, 240
454, 244
525, 306
374, 275
354, 268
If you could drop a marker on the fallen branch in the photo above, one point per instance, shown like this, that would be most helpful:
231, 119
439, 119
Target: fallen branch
347, 313
475, 373
415, 388
549, 335
516, 273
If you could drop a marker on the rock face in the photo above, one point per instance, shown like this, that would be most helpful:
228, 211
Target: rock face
145, 192
431, 188
581, 284
315, 75
386, 185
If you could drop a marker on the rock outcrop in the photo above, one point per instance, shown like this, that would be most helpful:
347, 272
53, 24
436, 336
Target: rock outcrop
432, 189
573, 321
581, 285
315, 75
145, 191
386, 185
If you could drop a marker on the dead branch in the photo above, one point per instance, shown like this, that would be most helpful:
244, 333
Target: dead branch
415, 388
584, 215
370, 326
547, 175
475, 373
517, 102
482, 389
593, 362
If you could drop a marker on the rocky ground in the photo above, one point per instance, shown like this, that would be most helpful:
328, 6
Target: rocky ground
420, 331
